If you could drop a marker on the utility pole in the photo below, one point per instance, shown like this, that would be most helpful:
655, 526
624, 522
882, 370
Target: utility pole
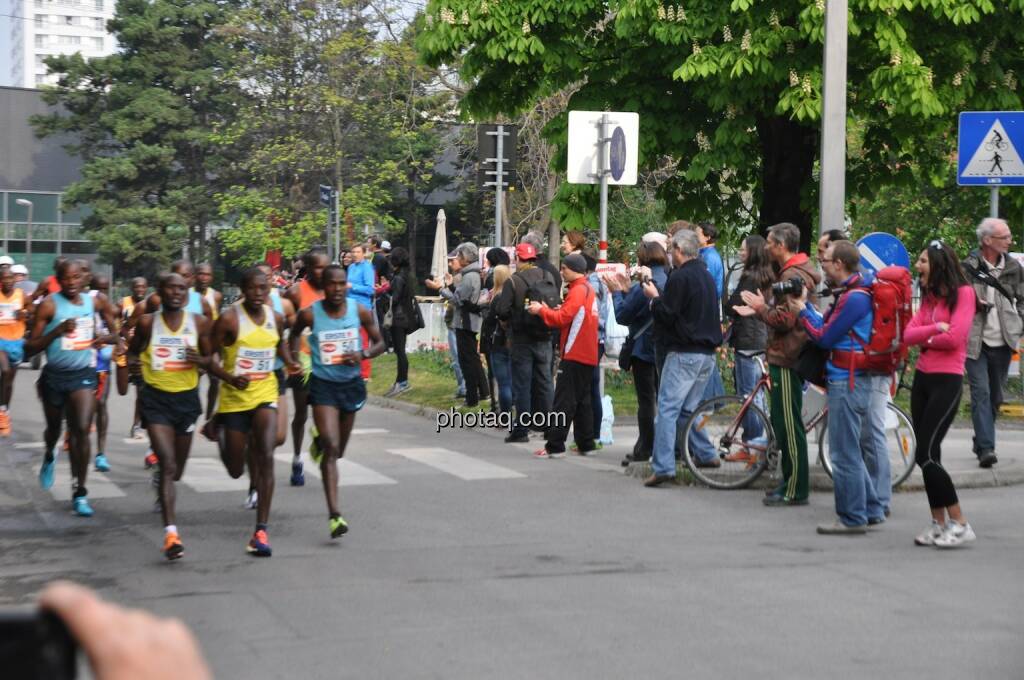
832, 188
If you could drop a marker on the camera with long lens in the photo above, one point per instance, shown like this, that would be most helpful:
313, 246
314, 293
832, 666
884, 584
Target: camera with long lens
791, 286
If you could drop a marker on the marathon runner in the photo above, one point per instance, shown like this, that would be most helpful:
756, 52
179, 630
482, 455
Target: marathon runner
13, 314
49, 285
284, 307
249, 336
65, 326
303, 294
124, 377
100, 294
214, 299
336, 387
164, 350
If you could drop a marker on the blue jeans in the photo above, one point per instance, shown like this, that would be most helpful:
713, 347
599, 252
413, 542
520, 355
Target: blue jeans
872, 438
987, 375
501, 366
746, 374
856, 500
531, 371
453, 352
595, 395
683, 378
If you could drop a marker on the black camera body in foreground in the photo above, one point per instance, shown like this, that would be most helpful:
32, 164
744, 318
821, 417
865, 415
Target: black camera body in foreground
791, 286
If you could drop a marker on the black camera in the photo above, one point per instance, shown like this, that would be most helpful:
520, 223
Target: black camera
791, 286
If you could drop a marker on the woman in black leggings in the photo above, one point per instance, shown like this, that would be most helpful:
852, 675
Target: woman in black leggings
402, 316
941, 327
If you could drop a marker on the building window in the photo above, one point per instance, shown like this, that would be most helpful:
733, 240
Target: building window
99, 5
97, 44
40, 78
41, 39
69, 21
100, 24
40, 20
69, 40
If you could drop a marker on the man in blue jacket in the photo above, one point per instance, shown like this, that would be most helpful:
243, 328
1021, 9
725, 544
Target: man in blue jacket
360, 289
849, 390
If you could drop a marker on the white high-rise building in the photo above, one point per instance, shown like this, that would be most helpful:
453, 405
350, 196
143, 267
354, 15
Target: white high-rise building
48, 27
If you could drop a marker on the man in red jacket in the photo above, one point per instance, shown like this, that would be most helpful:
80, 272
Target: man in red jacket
577, 320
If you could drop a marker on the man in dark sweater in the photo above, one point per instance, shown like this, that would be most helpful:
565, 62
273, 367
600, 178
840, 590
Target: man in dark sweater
686, 318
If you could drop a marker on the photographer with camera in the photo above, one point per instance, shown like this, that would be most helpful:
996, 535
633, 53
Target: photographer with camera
786, 337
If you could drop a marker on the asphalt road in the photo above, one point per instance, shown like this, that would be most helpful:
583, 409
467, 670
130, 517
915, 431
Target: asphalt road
467, 558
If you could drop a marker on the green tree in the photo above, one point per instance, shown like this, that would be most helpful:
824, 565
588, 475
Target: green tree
141, 121
732, 89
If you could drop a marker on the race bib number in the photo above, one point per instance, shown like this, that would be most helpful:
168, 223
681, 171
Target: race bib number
169, 352
9, 313
257, 364
335, 344
80, 338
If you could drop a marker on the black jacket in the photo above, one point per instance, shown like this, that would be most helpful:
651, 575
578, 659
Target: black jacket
402, 300
745, 332
686, 314
508, 306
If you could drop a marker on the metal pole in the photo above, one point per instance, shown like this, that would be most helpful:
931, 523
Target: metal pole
833, 119
337, 225
993, 202
499, 188
604, 171
28, 235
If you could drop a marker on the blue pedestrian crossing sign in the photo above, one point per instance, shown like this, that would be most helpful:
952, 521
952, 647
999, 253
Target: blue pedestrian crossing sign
989, 148
879, 250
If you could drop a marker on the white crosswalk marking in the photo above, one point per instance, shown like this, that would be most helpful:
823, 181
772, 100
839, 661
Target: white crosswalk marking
368, 430
208, 474
349, 473
457, 464
97, 483
30, 445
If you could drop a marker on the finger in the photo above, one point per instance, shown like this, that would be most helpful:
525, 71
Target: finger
89, 619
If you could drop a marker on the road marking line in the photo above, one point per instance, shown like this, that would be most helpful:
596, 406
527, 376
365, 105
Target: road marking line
30, 445
206, 475
368, 430
349, 473
97, 483
457, 464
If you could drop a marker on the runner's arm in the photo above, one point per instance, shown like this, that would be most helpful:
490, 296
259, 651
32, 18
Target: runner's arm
369, 323
284, 348
107, 313
303, 320
39, 340
224, 331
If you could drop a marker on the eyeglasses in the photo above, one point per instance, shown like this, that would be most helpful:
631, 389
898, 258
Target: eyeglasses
1004, 237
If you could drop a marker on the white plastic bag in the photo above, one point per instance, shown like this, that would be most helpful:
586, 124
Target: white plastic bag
607, 420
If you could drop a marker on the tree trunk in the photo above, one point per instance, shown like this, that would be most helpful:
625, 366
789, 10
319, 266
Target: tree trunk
788, 153
412, 226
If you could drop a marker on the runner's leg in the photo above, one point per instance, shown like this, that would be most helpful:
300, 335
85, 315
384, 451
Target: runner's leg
79, 406
301, 397
328, 423
261, 454
163, 441
102, 415
7, 370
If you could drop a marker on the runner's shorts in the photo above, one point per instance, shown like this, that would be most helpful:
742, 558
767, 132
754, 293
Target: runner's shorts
14, 349
179, 410
241, 421
56, 385
347, 397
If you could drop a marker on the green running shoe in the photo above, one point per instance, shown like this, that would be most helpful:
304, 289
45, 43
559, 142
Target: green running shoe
315, 452
338, 526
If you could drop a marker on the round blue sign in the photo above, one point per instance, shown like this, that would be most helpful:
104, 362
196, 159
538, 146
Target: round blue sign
879, 249
617, 154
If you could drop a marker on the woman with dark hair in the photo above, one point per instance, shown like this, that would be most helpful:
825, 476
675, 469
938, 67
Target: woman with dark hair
748, 335
632, 309
495, 257
402, 315
941, 327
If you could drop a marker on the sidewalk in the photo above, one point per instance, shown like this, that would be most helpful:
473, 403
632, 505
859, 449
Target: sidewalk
957, 456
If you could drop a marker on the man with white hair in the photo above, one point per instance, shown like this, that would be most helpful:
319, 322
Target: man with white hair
998, 280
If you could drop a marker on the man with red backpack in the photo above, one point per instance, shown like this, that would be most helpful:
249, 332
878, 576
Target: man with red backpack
863, 331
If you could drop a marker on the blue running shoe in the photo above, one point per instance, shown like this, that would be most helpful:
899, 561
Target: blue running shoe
47, 471
102, 464
259, 544
82, 507
298, 478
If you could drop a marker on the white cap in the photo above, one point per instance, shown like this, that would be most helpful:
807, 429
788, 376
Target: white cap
657, 237
19, 269
385, 245
6, 260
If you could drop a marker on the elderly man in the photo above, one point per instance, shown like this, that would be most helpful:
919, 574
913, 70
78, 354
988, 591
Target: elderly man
686, 319
999, 283
465, 298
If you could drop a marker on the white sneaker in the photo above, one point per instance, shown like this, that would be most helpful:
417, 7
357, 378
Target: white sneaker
928, 536
251, 500
955, 535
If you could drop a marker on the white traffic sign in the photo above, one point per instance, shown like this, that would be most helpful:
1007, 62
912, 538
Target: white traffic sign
584, 164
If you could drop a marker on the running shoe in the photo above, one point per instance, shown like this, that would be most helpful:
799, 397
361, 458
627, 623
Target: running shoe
102, 464
259, 544
544, 453
955, 535
5, 424
251, 500
151, 461
47, 471
297, 478
137, 433
315, 452
338, 526
81, 506
173, 549
597, 447
928, 536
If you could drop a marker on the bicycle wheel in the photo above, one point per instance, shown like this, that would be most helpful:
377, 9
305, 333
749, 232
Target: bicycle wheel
718, 424
900, 439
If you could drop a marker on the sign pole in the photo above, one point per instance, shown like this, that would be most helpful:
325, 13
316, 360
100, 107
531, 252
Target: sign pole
993, 202
833, 119
603, 171
499, 190
337, 225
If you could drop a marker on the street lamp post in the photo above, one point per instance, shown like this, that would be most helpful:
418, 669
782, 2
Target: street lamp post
25, 203
832, 190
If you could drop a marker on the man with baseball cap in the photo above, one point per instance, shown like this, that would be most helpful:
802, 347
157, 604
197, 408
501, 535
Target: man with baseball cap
531, 338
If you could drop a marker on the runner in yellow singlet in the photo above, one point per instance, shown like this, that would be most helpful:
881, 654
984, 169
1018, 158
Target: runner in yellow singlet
125, 310
164, 351
249, 337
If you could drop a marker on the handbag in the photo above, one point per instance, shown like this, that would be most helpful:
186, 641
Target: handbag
810, 364
626, 351
417, 317
388, 319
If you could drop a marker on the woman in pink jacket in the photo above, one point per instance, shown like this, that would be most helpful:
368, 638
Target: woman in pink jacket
941, 327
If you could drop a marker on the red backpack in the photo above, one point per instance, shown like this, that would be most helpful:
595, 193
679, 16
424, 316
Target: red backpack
891, 304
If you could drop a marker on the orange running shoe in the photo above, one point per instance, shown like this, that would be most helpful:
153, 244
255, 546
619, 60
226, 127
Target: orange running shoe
151, 461
740, 456
5, 424
259, 545
173, 549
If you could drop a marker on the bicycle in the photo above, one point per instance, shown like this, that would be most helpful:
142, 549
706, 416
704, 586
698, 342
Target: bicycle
741, 433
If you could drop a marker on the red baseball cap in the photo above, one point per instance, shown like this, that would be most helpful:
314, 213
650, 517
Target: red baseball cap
526, 251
